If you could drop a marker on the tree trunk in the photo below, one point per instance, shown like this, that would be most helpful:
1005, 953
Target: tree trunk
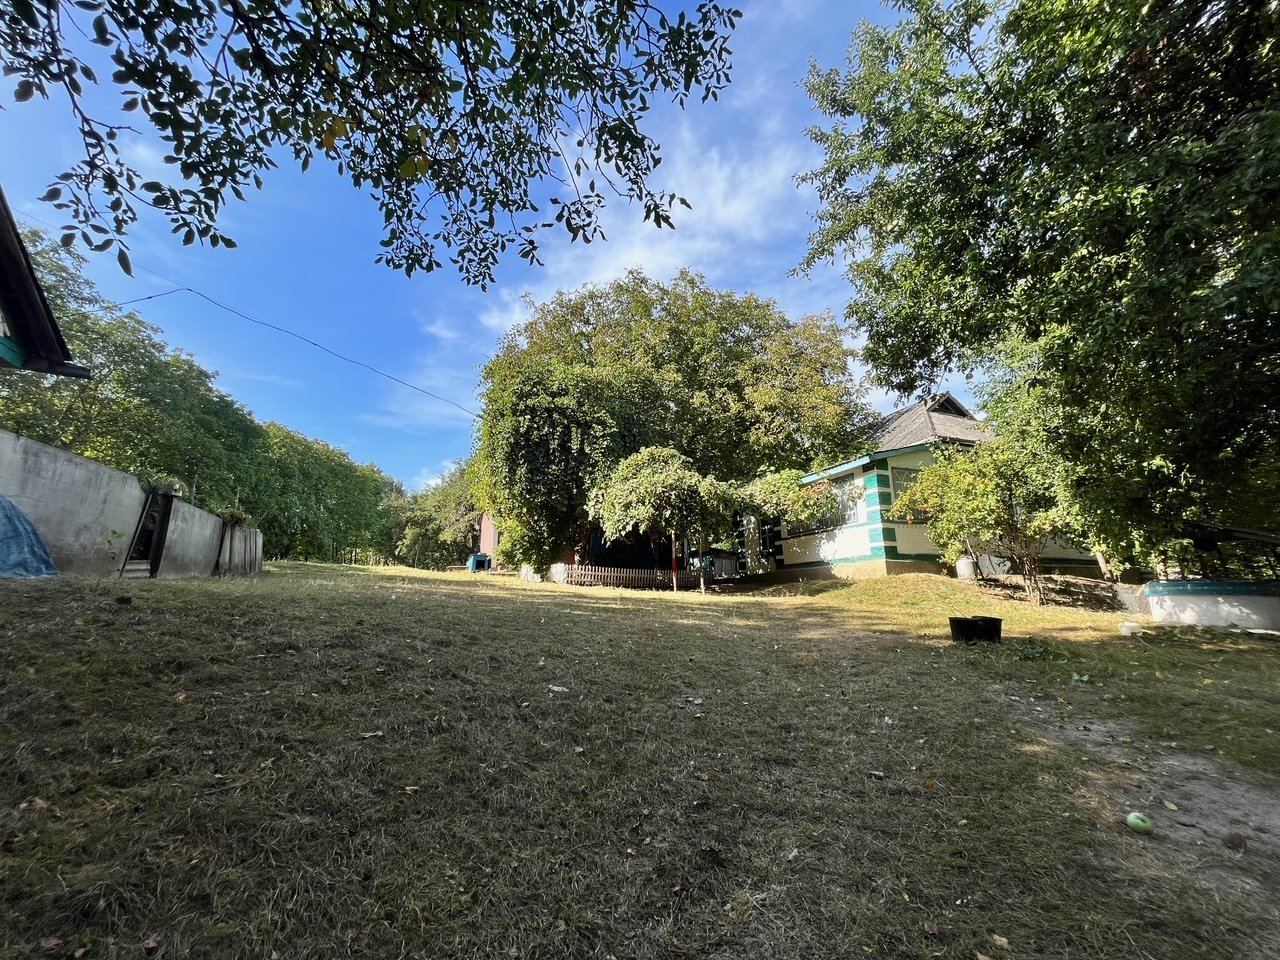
675, 575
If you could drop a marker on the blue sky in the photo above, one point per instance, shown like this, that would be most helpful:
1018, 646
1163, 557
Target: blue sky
307, 243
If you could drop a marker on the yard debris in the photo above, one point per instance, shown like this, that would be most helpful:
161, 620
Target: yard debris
124, 601
556, 689
371, 734
1169, 805
1235, 841
49, 944
931, 928
1000, 942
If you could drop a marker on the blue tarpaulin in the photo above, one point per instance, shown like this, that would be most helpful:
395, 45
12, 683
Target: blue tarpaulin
22, 551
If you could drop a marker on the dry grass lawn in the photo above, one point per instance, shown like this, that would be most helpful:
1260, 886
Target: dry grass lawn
382, 763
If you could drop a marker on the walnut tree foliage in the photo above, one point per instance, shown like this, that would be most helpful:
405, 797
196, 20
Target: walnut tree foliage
1086, 195
445, 111
728, 382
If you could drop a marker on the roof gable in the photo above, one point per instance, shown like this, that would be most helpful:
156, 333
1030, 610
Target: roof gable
936, 418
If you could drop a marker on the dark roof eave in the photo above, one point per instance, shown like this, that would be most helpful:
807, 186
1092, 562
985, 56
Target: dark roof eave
26, 309
841, 469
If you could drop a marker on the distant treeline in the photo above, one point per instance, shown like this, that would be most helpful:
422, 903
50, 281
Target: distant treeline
154, 412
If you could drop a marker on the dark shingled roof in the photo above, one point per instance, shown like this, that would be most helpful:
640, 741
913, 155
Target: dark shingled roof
938, 418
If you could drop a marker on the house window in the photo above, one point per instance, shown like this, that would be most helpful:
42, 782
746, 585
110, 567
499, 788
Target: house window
848, 510
900, 478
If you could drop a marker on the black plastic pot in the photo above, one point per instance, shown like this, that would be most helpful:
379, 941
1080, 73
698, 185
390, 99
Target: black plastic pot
988, 628
963, 629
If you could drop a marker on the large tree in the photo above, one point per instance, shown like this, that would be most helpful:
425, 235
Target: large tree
1084, 194
445, 111
728, 381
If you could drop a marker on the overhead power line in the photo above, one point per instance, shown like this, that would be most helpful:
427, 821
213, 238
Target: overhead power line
183, 288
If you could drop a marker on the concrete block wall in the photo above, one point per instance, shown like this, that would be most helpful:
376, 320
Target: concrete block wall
88, 513
192, 544
241, 551
85, 512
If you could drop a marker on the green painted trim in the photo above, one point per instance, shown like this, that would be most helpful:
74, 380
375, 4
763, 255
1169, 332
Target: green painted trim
838, 561
1211, 588
11, 353
877, 553
882, 534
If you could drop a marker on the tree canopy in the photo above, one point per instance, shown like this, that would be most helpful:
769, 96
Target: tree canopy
442, 522
445, 112
1083, 195
727, 382
998, 497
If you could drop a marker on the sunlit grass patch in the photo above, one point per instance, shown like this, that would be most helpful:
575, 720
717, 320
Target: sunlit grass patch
329, 761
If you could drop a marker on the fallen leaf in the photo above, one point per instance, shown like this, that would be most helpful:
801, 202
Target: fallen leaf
375, 733
1168, 805
931, 928
49, 944
875, 774
181, 696
80, 952
151, 943
411, 791
1000, 942
981, 956
929, 783
578, 749
1234, 841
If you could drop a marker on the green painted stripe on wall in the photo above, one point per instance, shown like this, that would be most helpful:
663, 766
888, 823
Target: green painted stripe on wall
810, 564
882, 534
1221, 588
10, 353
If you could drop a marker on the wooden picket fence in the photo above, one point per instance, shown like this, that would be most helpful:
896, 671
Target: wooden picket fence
586, 575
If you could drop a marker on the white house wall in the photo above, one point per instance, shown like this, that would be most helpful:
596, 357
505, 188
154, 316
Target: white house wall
873, 544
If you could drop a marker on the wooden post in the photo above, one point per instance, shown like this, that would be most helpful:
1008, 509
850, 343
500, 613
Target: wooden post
675, 574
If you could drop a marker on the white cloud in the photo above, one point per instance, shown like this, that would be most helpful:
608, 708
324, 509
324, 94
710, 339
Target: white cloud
429, 476
407, 409
439, 327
